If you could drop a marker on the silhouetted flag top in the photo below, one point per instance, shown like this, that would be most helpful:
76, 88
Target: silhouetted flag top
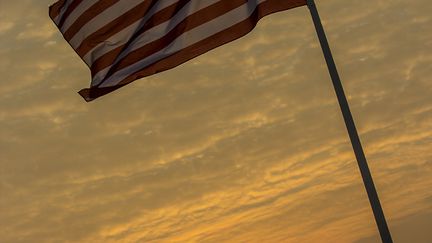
124, 40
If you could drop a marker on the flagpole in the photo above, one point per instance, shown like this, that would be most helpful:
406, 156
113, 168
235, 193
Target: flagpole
352, 131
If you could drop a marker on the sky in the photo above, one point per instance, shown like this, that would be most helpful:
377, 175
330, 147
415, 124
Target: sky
243, 144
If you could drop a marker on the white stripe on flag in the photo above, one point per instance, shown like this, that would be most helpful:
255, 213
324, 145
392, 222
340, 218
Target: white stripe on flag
62, 11
124, 35
76, 13
102, 19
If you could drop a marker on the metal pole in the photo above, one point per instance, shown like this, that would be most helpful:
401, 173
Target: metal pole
352, 131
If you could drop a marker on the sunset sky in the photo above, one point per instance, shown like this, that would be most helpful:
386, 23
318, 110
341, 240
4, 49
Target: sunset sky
243, 144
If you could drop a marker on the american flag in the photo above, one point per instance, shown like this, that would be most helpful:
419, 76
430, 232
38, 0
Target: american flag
124, 40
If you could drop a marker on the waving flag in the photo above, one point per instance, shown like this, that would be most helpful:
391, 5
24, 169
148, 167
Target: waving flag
124, 40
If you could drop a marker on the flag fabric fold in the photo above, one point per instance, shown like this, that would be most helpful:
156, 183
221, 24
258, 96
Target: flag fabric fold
125, 40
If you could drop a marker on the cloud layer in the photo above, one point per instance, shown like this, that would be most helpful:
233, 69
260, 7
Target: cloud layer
243, 144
